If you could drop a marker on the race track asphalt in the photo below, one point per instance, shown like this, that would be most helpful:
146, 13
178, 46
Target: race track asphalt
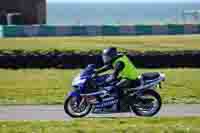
56, 112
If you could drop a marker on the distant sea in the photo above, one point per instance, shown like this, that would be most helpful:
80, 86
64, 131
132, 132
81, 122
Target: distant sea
118, 13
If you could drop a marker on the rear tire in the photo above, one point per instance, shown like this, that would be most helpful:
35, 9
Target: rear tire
71, 112
154, 94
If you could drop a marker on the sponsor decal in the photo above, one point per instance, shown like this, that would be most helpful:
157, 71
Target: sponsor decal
111, 102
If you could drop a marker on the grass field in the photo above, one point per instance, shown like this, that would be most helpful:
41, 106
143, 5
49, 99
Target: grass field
49, 86
106, 125
139, 43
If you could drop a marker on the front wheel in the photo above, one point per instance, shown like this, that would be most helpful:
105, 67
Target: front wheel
76, 107
147, 104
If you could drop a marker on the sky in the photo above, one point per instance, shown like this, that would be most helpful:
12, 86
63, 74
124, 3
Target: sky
121, 1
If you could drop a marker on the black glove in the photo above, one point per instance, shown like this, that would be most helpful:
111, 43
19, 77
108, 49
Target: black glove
111, 89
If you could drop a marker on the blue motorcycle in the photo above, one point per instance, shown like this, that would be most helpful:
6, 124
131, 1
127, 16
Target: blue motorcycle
92, 92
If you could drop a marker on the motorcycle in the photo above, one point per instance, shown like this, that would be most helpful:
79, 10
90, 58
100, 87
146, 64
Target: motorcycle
90, 94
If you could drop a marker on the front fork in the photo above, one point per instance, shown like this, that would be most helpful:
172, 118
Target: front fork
80, 100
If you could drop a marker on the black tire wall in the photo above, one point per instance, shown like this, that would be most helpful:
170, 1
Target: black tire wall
79, 60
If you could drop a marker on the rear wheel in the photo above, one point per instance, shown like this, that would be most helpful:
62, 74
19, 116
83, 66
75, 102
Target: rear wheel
147, 104
75, 107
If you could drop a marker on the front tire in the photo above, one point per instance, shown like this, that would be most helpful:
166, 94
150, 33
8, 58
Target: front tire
154, 107
73, 109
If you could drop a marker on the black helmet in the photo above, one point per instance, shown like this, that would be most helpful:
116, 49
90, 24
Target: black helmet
109, 54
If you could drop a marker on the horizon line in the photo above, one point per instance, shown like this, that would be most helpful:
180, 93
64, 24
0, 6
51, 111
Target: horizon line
122, 2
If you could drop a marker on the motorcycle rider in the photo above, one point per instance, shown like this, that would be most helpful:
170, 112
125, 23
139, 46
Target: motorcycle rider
124, 71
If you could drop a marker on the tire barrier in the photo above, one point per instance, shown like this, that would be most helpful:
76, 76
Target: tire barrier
105, 30
72, 60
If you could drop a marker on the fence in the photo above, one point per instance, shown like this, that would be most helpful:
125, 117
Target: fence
1, 31
105, 30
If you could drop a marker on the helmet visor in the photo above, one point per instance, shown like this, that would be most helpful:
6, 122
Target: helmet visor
106, 59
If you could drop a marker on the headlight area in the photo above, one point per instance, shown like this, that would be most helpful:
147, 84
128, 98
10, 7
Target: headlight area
78, 82
163, 76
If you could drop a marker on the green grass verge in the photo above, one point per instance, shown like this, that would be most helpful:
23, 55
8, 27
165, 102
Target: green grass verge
85, 44
49, 86
106, 125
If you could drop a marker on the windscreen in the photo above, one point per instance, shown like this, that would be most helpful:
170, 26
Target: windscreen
87, 71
